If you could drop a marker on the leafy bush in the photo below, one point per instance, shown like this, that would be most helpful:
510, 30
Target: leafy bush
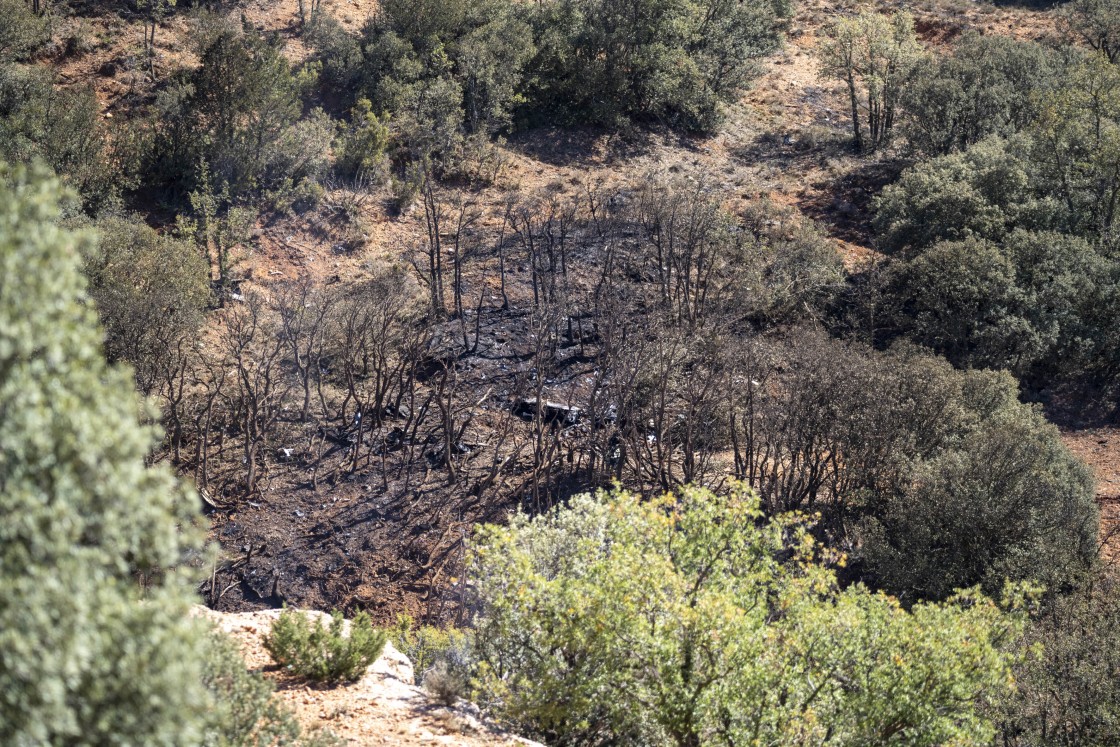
1097, 22
87, 656
444, 683
983, 192
363, 143
606, 61
235, 121
791, 269
151, 293
1076, 143
1032, 286
300, 154
472, 65
335, 651
441, 658
690, 620
940, 478
59, 126
1005, 499
468, 54
339, 54
21, 30
988, 86
1030, 304
1059, 172
424, 645
961, 299
442, 72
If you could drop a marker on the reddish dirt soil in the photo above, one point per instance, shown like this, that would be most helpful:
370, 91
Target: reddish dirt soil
384, 707
1100, 449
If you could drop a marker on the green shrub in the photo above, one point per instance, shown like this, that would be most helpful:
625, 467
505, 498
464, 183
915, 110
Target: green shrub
21, 30
790, 269
151, 292
61, 127
470, 55
475, 65
941, 479
444, 683
690, 619
1004, 499
1097, 22
87, 655
983, 192
1057, 170
441, 657
335, 651
235, 121
424, 645
340, 55
1030, 304
363, 144
607, 62
988, 86
961, 299
1076, 142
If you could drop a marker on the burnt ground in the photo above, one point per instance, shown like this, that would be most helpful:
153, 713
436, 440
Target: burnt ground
389, 536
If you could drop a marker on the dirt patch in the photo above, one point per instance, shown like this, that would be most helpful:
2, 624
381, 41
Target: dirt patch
384, 707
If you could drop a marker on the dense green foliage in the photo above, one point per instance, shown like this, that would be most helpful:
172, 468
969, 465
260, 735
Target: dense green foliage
604, 61
447, 67
151, 292
983, 192
60, 127
83, 661
234, 122
1039, 135
442, 657
361, 150
334, 651
690, 619
424, 645
21, 30
1038, 302
1000, 498
1005, 250
989, 85
948, 481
